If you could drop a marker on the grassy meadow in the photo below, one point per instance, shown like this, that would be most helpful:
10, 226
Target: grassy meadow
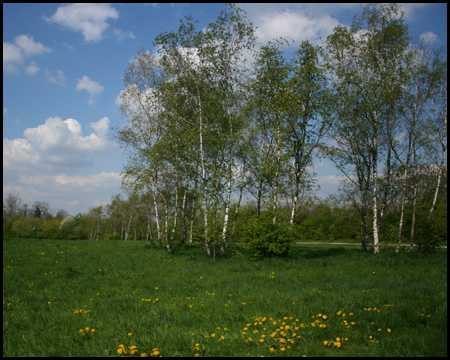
81, 298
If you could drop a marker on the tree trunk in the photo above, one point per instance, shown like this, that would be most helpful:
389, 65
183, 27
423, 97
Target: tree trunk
227, 208
236, 215
183, 218
375, 185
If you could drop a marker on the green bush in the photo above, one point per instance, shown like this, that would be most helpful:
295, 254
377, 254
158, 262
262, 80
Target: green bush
260, 237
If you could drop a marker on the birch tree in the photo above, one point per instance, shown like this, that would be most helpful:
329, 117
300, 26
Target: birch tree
367, 61
425, 73
307, 118
269, 88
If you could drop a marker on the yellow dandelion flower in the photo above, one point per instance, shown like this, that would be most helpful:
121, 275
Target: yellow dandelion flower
129, 334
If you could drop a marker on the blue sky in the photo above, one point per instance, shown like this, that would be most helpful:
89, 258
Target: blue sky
63, 67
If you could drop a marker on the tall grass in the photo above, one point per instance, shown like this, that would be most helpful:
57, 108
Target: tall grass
318, 301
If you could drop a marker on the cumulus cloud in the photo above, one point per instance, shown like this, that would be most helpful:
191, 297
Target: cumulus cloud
50, 163
15, 54
88, 19
92, 87
56, 144
296, 26
429, 38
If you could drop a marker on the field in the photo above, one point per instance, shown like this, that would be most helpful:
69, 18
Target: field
81, 298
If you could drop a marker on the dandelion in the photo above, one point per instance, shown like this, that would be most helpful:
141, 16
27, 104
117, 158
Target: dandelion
129, 334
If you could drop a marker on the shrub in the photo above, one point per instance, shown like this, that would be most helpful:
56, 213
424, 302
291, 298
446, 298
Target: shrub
28, 227
260, 237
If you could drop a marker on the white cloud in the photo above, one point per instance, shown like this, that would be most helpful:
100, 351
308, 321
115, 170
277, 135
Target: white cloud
74, 193
57, 77
50, 163
14, 54
89, 19
429, 38
297, 21
56, 144
295, 26
92, 87
413, 10
122, 35
101, 127
88, 182
32, 69
29, 46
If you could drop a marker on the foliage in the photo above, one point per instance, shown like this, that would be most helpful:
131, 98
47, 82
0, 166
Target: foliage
261, 237
28, 227
328, 223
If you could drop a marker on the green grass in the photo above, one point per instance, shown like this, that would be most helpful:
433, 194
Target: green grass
173, 302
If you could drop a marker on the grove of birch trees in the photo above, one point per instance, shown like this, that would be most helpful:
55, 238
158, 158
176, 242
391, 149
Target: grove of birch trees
213, 117
215, 122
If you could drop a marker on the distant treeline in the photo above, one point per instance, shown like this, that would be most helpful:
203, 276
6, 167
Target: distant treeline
133, 219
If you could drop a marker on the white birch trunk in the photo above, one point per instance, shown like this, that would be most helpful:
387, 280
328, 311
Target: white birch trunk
227, 208
205, 182
175, 220
375, 190
155, 204
402, 213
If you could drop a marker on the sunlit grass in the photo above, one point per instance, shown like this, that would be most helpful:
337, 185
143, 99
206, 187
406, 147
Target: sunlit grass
137, 300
